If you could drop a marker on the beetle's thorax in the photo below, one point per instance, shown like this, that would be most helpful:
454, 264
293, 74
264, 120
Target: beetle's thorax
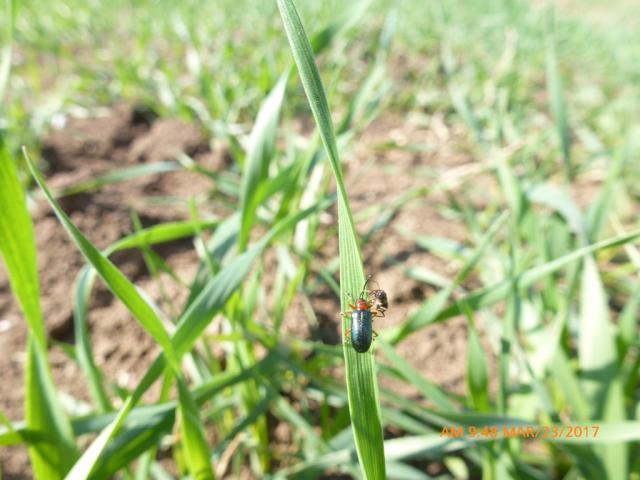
362, 304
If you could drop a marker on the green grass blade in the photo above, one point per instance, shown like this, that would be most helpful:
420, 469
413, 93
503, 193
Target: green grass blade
194, 442
261, 149
86, 464
488, 296
114, 278
477, 370
433, 308
430, 391
84, 352
219, 289
362, 388
54, 453
209, 302
601, 207
119, 176
165, 232
598, 360
6, 42
556, 97
17, 245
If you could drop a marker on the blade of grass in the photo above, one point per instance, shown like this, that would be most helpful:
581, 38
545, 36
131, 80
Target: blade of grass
195, 444
362, 389
118, 176
477, 370
7, 40
433, 307
211, 299
485, 297
598, 210
162, 233
53, 455
430, 391
556, 96
261, 150
598, 360
84, 352
85, 465
114, 278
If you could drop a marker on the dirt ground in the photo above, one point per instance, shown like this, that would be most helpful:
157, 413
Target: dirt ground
125, 136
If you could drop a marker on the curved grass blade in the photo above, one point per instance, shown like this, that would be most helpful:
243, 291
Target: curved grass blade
211, 300
53, 452
118, 176
165, 232
598, 360
362, 388
85, 465
261, 149
114, 278
84, 352
194, 442
430, 391
7, 40
433, 307
485, 297
18, 247
556, 96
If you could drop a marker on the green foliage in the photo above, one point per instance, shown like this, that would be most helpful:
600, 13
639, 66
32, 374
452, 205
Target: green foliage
52, 449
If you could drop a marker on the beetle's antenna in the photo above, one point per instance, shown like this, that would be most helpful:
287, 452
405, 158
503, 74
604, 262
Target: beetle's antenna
364, 287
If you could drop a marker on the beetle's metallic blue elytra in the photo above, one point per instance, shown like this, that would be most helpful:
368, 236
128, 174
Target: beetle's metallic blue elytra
361, 330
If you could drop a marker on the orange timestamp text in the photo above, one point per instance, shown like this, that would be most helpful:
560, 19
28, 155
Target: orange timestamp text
520, 431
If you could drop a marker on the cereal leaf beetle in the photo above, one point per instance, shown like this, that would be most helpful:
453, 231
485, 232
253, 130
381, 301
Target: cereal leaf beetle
362, 314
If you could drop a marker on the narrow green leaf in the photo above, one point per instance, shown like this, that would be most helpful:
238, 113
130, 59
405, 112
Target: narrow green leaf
477, 370
600, 208
555, 89
260, 151
433, 308
597, 354
53, 453
6, 40
118, 176
362, 388
17, 246
485, 297
114, 278
86, 464
212, 298
430, 391
84, 352
628, 320
194, 441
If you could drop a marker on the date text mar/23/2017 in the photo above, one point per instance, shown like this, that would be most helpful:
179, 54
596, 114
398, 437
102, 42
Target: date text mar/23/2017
521, 431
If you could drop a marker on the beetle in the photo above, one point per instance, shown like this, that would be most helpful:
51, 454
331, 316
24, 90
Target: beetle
362, 314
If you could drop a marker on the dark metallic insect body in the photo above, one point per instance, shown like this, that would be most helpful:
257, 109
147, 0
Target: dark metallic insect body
361, 326
362, 315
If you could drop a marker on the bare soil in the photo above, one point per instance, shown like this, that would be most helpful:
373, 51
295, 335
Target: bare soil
125, 136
